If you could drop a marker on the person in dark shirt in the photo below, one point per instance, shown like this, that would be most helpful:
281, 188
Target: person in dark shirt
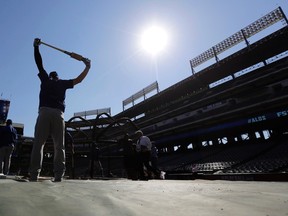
50, 120
129, 157
8, 137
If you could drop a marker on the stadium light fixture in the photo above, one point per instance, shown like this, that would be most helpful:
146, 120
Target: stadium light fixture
242, 35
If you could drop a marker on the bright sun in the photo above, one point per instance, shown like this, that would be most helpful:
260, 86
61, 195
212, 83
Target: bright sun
154, 39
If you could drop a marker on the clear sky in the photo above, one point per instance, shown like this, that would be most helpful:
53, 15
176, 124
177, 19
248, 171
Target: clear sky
108, 32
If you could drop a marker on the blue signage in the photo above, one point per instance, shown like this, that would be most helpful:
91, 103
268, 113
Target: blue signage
4, 108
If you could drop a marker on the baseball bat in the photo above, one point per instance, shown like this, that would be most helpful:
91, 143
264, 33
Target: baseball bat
71, 54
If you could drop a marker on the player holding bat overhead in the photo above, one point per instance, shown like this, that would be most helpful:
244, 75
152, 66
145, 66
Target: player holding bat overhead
50, 119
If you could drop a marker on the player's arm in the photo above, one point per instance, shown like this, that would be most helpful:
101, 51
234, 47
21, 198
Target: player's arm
84, 73
37, 55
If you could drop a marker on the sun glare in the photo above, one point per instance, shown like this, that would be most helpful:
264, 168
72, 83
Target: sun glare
154, 40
